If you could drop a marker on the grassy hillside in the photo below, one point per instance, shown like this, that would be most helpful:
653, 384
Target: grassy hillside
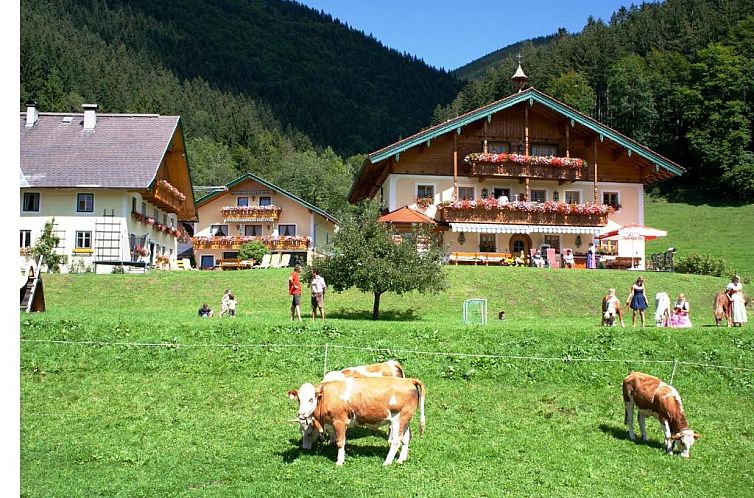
726, 231
124, 391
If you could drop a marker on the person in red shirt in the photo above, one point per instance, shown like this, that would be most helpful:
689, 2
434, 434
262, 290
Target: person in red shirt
294, 289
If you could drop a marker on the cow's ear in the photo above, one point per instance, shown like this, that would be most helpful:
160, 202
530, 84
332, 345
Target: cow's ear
697, 435
318, 392
676, 437
293, 394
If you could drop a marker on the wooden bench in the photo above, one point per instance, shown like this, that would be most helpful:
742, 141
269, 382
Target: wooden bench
464, 257
230, 264
621, 263
500, 258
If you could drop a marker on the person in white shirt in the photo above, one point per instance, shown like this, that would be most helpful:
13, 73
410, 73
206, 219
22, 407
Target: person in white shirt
318, 295
568, 259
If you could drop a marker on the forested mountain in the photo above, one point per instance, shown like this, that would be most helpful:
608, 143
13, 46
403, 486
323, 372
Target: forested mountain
342, 88
677, 76
476, 69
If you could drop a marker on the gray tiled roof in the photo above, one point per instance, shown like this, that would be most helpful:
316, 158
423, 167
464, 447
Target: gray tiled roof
123, 150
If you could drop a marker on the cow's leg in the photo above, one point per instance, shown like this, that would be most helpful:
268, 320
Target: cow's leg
339, 428
643, 426
395, 439
404, 448
630, 419
668, 441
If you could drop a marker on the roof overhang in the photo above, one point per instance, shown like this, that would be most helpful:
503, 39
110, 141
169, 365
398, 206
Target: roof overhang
523, 229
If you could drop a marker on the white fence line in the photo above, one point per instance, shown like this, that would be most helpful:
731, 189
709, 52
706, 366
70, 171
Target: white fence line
328, 346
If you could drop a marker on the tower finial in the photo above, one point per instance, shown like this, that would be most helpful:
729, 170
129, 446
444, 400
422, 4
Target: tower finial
519, 78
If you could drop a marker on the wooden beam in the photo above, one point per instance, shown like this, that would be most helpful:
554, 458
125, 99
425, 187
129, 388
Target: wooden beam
526, 131
484, 148
568, 141
455, 166
617, 154
595, 172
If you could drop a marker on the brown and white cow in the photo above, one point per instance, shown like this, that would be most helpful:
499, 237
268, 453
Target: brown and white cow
334, 406
387, 369
651, 396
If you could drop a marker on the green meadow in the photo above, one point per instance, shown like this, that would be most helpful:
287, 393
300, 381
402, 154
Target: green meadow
125, 392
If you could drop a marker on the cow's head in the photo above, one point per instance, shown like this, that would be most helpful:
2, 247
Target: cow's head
685, 440
307, 396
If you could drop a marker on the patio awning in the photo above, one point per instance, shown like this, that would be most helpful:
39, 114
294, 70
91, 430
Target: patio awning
501, 228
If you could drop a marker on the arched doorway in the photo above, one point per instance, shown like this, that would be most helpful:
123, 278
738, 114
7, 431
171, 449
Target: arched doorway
520, 242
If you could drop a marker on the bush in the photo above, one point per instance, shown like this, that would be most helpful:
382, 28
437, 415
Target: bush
253, 250
704, 264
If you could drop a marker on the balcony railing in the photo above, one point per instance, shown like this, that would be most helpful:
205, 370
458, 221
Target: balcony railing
166, 197
285, 243
236, 214
510, 216
520, 166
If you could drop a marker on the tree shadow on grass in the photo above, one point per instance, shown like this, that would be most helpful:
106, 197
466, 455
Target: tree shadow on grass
408, 315
330, 451
621, 432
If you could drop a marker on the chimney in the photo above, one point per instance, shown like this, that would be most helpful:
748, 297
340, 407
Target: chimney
32, 114
90, 116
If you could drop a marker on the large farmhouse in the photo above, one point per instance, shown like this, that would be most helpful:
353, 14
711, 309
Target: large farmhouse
250, 208
522, 173
116, 185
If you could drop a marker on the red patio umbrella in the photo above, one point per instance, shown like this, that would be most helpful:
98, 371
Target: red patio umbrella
634, 230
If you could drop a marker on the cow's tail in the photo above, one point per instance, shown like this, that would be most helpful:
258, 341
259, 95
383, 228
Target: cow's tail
422, 393
397, 369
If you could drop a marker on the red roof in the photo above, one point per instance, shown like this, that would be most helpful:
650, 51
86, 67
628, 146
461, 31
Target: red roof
405, 215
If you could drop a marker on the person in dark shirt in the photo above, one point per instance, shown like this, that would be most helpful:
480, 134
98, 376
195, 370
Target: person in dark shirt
204, 311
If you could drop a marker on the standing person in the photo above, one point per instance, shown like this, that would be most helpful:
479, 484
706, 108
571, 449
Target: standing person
737, 302
224, 303
318, 295
294, 290
637, 300
590, 257
232, 305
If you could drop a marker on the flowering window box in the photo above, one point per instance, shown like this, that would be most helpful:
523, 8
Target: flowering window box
83, 251
284, 243
236, 214
525, 213
518, 165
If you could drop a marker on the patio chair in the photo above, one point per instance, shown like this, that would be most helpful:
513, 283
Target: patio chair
265, 262
275, 261
285, 260
187, 264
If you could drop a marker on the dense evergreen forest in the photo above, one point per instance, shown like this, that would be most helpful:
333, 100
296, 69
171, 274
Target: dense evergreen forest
677, 76
478, 68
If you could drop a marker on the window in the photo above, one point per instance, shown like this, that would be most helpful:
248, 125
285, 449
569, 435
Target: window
156, 215
25, 238
31, 201
518, 246
242, 201
611, 199
553, 241
498, 147
466, 193
572, 197
252, 230
144, 208
83, 240
133, 204
265, 201
165, 219
230, 255
499, 192
425, 191
207, 261
543, 150
487, 242
218, 230
287, 230
85, 203
538, 196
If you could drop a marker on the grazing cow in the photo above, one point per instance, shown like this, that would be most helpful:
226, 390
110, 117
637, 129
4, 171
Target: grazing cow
662, 309
362, 401
722, 309
656, 398
387, 369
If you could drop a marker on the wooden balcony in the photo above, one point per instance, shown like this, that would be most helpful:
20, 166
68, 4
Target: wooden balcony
535, 171
165, 197
235, 243
520, 217
563, 169
240, 214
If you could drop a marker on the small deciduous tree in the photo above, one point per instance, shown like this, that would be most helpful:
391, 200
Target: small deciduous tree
253, 250
366, 255
45, 247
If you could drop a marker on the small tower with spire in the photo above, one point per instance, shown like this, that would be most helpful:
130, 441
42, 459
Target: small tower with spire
519, 78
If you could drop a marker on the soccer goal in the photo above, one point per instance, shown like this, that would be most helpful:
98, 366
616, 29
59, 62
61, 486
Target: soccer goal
475, 311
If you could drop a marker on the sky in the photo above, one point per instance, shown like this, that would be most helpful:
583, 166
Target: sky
449, 34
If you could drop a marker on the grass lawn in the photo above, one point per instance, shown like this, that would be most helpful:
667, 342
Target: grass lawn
161, 403
726, 231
